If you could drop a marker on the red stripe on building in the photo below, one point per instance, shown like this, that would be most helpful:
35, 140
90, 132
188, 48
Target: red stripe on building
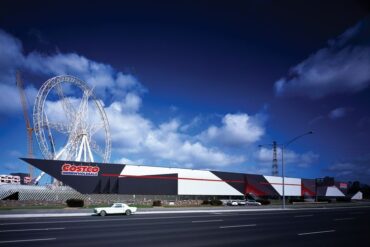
169, 178
279, 184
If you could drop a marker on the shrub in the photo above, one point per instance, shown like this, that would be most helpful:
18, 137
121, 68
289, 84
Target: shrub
75, 203
323, 200
264, 201
205, 202
157, 203
343, 199
216, 202
291, 200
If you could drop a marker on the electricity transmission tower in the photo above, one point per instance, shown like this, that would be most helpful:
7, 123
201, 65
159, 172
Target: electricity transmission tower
275, 170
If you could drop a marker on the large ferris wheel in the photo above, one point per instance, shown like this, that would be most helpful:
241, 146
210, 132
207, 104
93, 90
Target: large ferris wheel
70, 122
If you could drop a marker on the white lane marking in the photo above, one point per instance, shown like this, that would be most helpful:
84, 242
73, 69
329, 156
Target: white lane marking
35, 229
27, 240
227, 213
205, 221
309, 233
236, 226
330, 208
300, 216
344, 219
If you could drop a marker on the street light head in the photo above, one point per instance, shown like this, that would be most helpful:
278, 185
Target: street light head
311, 132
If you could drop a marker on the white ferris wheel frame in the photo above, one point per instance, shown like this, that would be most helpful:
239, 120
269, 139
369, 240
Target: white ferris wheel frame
78, 130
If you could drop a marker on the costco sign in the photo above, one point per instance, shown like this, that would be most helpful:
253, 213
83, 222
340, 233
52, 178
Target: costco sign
343, 185
68, 169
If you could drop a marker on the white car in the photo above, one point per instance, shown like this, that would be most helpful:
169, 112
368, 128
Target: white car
116, 208
232, 203
253, 202
242, 203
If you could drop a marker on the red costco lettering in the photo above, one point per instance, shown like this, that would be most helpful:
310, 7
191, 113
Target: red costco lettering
65, 167
68, 169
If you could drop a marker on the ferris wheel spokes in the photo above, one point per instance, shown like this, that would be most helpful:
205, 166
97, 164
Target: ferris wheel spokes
76, 116
66, 104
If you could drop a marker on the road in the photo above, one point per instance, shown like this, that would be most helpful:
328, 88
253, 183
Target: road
312, 227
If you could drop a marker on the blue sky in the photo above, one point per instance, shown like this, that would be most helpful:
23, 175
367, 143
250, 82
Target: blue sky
201, 85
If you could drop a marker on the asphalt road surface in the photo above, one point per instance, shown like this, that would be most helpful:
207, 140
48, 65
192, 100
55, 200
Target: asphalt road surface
313, 227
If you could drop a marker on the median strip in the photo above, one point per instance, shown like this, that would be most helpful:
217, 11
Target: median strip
205, 221
301, 216
237, 226
36, 229
356, 213
344, 219
310, 233
27, 240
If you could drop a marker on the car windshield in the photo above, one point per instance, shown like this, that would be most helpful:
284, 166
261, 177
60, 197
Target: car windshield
117, 206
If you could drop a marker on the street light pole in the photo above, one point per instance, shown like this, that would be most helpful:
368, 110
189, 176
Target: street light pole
282, 173
282, 159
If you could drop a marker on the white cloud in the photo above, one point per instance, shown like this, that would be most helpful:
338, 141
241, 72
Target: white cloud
339, 112
167, 143
127, 161
11, 167
355, 169
135, 135
131, 102
10, 57
128, 129
343, 170
236, 129
193, 123
338, 68
341, 166
106, 81
173, 108
126, 81
10, 102
15, 153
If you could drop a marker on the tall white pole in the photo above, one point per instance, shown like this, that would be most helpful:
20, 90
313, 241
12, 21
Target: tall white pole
282, 160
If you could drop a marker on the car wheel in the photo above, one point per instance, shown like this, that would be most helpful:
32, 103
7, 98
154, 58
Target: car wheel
128, 212
103, 213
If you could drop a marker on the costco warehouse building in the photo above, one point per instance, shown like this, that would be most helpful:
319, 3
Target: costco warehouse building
116, 179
